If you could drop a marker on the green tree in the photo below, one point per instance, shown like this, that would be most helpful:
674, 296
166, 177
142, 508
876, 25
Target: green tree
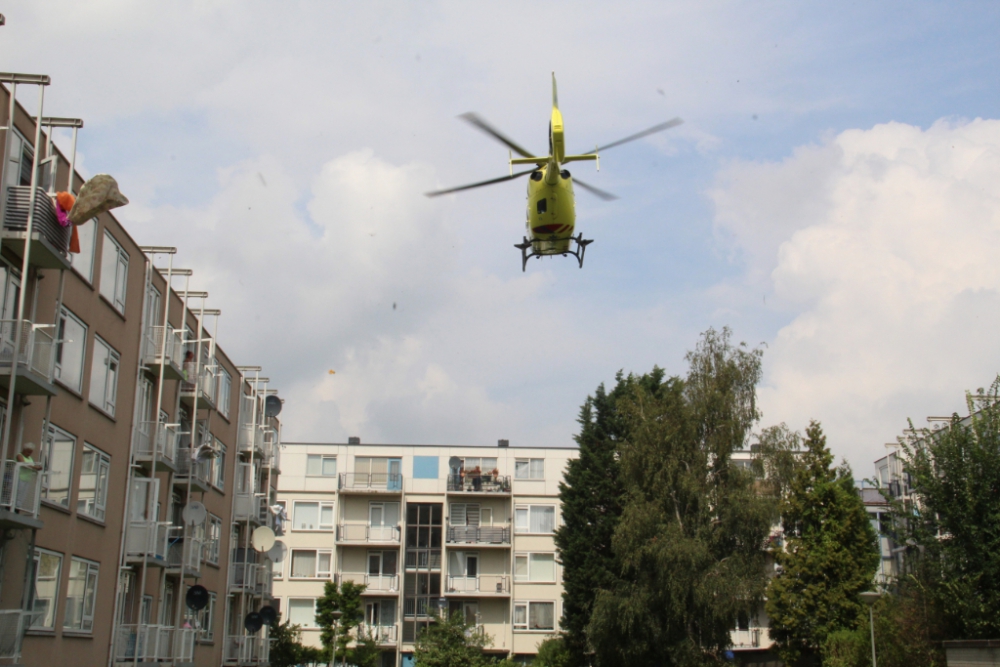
830, 557
346, 599
955, 473
691, 541
286, 647
366, 652
591, 498
553, 652
451, 642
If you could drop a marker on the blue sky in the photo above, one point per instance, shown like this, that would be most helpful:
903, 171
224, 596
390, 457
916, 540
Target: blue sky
808, 202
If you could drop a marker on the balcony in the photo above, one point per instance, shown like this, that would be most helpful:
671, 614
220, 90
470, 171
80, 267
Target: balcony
200, 480
34, 361
203, 390
253, 508
148, 542
383, 635
154, 643
480, 585
164, 347
13, 623
746, 639
183, 553
374, 482
49, 239
159, 440
251, 438
243, 650
361, 533
470, 484
251, 578
19, 496
484, 536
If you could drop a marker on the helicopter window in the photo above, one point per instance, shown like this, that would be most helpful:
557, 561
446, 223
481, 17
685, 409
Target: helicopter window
536, 175
541, 206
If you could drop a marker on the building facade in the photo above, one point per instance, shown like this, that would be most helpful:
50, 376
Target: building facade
153, 456
427, 529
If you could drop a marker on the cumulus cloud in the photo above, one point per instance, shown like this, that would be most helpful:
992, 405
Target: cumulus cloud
880, 247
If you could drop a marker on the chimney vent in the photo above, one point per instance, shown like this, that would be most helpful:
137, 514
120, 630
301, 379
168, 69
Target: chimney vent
503, 443
354, 440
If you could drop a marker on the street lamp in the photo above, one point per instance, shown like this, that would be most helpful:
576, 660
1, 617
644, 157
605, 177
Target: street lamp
336, 614
870, 598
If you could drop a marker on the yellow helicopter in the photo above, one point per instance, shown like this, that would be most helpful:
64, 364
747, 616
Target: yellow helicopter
551, 207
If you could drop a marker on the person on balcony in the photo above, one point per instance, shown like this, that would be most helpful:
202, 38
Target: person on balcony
25, 475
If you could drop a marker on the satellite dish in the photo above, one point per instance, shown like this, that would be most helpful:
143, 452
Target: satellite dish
277, 552
268, 614
272, 406
262, 538
194, 512
197, 597
253, 622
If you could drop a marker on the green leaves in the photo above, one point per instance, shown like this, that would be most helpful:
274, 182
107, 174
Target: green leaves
347, 600
451, 642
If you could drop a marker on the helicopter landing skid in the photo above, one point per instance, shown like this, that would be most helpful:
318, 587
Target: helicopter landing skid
581, 250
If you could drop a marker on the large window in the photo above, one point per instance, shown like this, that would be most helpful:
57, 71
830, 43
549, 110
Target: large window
104, 376
311, 564
225, 391
535, 567
318, 465
312, 516
57, 463
537, 616
18, 169
486, 465
302, 612
83, 262
71, 345
48, 566
535, 519
92, 497
219, 476
529, 469
80, 595
114, 272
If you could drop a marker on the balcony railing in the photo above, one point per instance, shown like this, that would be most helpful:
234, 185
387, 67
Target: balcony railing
470, 483
202, 471
12, 625
184, 639
163, 438
246, 650
381, 582
21, 488
148, 539
147, 643
36, 347
45, 222
478, 535
360, 532
380, 634
251, 438
746, 638
178, 555
156, 353
370, 481
483, 583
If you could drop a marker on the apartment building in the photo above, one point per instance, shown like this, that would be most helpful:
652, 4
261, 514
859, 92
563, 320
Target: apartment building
457, 529
136, 414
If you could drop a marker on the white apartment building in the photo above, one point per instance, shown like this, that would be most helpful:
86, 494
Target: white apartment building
462, 529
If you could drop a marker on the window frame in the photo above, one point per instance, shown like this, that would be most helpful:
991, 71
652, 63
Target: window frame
322, 459
119, 290
66, 314
82, 232
528, 578
46, 461
526, 604
224, 391
527, 530
312, 624
213, 545
91, 573
103, 461
113, 358
529, 468
317, 574
320, 504
219, 466
36, 561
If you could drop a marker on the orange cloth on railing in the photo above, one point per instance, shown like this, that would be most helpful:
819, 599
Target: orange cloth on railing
64, 204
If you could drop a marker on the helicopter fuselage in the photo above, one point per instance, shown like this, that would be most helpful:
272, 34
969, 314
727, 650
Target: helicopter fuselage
551, 210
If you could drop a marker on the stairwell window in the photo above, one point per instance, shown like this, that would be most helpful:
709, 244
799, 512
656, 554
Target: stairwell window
104, 376
114, 272
71, 344
92, 497
80, 595
529, 469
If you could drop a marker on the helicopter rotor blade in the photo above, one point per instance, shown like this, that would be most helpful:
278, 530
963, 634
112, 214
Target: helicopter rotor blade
480, 184
476, 121
603, 194
645, 133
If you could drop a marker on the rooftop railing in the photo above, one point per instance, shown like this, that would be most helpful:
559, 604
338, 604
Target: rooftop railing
21, 488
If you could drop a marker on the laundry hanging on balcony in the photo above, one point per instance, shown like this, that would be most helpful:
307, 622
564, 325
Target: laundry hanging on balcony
64, 204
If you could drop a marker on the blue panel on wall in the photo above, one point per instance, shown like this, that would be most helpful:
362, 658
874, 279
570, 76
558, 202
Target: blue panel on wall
425, 467
408, 659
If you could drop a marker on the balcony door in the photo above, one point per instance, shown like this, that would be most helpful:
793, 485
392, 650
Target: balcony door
380, 613
145, 492
383, 521
382, 570
468, 610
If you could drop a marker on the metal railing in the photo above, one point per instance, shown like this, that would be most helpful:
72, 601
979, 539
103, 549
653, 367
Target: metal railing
483, 583
746, 638
45, 222
470, 483
147, 539
165, 440
254, 578
202, 471
36, 352
21, 490
360, 532
373, 481
184, 639
380, 634
147, 643
178, 555
423, 559
381, 582
250, 438
152, 346
13, 623
479, 534
243, 649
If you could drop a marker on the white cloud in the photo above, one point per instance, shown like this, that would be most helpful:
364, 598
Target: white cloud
882, 245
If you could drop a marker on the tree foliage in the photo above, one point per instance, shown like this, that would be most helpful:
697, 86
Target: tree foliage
591, 498
830, 557
553, 652
345, 598
690, 545
955, 473
451, 642
286, 647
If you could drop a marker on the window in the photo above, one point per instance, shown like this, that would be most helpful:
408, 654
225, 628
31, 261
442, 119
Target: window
225, 391
311, 564
535, 567
302, 612
465, 514
529, 469
534, 616
219, 476
114, 272
425, 467
71, 344
485, 464
214, 541
312, 516
104, 376
48, 565
202, 620
21, 156
80, 595
57, 464
92, 497
535, 519
83, 262
321, 466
